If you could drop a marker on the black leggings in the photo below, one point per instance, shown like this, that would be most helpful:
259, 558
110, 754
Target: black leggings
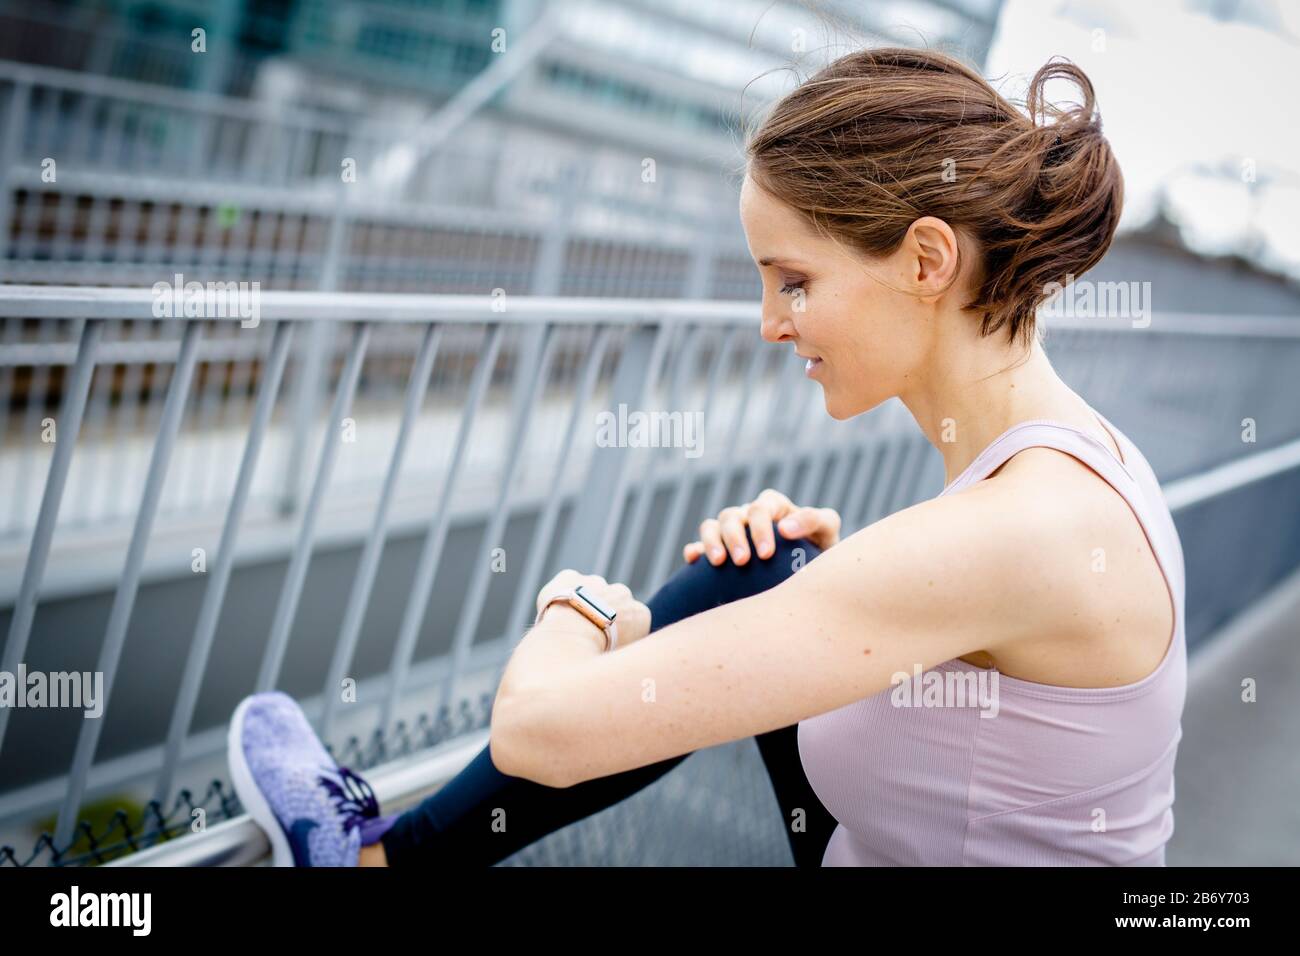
454, 825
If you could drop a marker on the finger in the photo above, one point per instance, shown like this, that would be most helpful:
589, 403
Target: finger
692, 551
731, 522
759, 519
830, 528
819, 525
800, 523
776, 503
711, 537
562, 581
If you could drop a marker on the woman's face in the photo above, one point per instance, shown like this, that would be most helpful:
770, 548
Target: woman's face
865, 338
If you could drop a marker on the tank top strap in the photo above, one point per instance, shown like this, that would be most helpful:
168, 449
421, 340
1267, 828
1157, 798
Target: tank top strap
1129, 475
1042, 432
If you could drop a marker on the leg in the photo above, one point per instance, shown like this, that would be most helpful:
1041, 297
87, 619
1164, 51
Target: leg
454, 825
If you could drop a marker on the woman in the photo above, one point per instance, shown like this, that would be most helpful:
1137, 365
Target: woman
993, 676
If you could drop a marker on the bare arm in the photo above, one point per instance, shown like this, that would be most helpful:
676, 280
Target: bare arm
923, 586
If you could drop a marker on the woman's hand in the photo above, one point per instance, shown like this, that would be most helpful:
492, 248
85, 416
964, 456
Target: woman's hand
726, 532
631, 617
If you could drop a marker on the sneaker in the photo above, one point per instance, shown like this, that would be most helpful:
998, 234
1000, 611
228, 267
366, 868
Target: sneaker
311, 809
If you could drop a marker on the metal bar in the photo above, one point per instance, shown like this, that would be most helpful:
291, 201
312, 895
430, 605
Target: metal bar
752, 482
35, 301
309, 384
41, 301
70, 412
530, 385
797, 416
915, 456
36, 399
591, 534
128, 588
475, 94
214, 594
241, 842
686, 479
368, 567
856, 507
431, 553
278, 639
633, 528
1195, 489
885, 478
841, 490
543, 535
20, 97
823, 456
128, 412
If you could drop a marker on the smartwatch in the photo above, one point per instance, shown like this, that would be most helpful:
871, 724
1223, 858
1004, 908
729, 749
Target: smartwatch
589, 607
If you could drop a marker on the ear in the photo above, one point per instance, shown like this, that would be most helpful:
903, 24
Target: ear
930, 250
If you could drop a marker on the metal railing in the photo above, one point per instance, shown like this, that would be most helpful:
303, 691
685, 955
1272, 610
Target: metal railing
510, 396
109, 181
1203, 388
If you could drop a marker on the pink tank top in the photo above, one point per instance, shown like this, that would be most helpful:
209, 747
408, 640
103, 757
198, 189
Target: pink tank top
1022, 774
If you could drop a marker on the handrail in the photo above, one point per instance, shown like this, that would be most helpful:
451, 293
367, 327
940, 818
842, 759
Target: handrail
240, 842
87, 302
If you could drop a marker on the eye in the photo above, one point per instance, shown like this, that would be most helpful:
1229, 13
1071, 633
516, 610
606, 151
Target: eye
789, 286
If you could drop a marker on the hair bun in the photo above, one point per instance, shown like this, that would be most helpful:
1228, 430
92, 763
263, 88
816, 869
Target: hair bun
1080, 115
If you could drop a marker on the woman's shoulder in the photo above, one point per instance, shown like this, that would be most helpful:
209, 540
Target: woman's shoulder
1072, 541
1044, 519
1005, 549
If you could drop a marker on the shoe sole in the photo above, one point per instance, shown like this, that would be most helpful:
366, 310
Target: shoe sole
250, 794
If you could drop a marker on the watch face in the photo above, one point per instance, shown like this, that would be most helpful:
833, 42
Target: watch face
599, 608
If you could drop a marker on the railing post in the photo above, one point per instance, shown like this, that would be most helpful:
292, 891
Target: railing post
701, 268
309, 386
593, 520
69, 423
16, 121
119, 617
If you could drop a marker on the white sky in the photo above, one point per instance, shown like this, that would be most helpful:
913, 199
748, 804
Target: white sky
1185, 99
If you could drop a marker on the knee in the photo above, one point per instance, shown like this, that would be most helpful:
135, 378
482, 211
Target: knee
699, 586
759, 574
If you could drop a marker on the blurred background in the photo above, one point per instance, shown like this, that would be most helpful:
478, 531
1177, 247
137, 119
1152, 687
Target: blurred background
474, 225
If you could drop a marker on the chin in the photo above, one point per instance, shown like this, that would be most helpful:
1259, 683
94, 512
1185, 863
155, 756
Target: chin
838, 409
842, 409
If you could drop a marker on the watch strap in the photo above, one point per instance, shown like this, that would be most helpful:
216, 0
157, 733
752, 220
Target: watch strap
585, 607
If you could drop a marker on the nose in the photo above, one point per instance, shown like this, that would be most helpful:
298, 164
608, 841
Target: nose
776, 325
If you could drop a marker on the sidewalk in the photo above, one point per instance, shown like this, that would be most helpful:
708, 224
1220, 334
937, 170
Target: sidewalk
1237, 780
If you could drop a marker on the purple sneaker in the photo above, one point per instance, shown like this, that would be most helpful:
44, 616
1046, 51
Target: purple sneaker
311, 809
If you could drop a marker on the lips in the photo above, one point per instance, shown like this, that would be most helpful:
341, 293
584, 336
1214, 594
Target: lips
813, 362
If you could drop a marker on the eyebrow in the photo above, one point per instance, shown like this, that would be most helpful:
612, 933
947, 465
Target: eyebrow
776, 260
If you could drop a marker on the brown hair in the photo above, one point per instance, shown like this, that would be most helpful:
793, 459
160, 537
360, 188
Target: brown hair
873, 141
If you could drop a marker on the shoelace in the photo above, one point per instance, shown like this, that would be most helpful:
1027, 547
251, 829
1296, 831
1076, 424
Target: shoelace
352, 796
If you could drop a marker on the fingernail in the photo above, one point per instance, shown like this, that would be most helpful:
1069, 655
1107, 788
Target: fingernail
789, 525
715, 553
